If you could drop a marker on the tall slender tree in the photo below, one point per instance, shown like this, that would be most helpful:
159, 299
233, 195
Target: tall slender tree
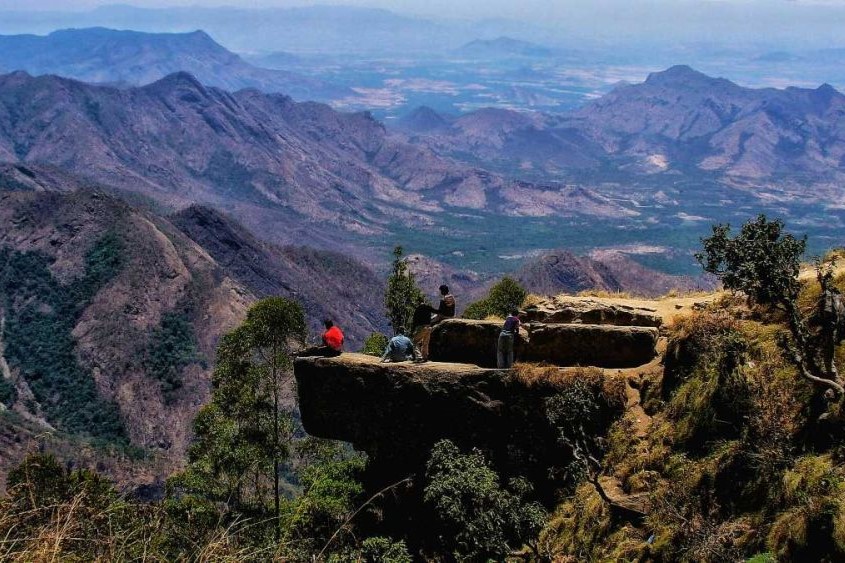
243, 436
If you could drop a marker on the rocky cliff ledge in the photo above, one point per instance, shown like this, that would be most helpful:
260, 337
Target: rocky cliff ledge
581, 310
606, 346
396, 412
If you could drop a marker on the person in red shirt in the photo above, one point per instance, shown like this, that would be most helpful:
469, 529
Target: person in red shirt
332, 342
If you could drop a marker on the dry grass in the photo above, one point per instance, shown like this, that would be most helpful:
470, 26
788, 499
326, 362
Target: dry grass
85, 527
605, 293
611, 386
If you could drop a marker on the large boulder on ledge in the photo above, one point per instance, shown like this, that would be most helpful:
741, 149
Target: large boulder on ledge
605, 346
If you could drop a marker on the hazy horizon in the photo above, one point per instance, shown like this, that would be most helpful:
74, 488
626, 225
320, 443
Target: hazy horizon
790, 23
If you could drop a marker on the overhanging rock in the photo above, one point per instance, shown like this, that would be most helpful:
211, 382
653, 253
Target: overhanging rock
397, 412
605, 346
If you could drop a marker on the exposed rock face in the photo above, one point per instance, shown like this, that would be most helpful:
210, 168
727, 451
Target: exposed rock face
198, 272
474, 342
396, 412
589, 311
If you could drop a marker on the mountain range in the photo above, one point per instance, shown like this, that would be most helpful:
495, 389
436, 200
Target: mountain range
131, 58
562, 272
305, 29
268, 160
677, 121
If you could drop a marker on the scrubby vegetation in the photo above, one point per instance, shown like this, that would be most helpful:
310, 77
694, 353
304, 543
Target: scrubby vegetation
172, 348
502, 297
40, 314
375, 344
402, 295
8, 393
478, 518
737, 462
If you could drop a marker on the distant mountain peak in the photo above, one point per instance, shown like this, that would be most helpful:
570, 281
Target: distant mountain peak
179, 78
504, 45
676, 74
136, 58
421, 120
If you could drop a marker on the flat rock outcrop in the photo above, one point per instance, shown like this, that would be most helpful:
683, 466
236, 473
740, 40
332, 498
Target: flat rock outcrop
397, 412
474, 342
591, 311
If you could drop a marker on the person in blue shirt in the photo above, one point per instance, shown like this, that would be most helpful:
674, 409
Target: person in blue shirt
504, 350
399, 349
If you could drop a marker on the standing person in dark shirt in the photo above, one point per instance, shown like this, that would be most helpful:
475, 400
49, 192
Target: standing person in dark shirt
504, 350
446, 310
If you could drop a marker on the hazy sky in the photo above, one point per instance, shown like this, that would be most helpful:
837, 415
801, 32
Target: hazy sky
538, 10
786, 23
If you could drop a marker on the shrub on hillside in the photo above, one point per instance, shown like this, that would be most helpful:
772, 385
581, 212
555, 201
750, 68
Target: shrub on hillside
171, 349
502, 297
375, 344
8, 393
478, 518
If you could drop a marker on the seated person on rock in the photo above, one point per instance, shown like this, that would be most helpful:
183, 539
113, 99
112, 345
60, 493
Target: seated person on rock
446, 310
426, 315
399, 349
332, 343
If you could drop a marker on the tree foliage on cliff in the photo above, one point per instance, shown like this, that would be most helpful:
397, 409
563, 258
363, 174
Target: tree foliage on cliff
505, 295
478, 518
402, 295
763, 261
243, 436
375, 344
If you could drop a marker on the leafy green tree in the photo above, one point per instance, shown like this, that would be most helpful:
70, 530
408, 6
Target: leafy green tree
479, 519
243, 436
763, 261
502, 297
317, 519
375, 344
402, 295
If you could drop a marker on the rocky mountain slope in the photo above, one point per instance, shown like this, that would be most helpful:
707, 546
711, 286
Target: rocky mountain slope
110, 319
132, 58
110, 316
563, 272
678, 120
265, 158
327, 284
